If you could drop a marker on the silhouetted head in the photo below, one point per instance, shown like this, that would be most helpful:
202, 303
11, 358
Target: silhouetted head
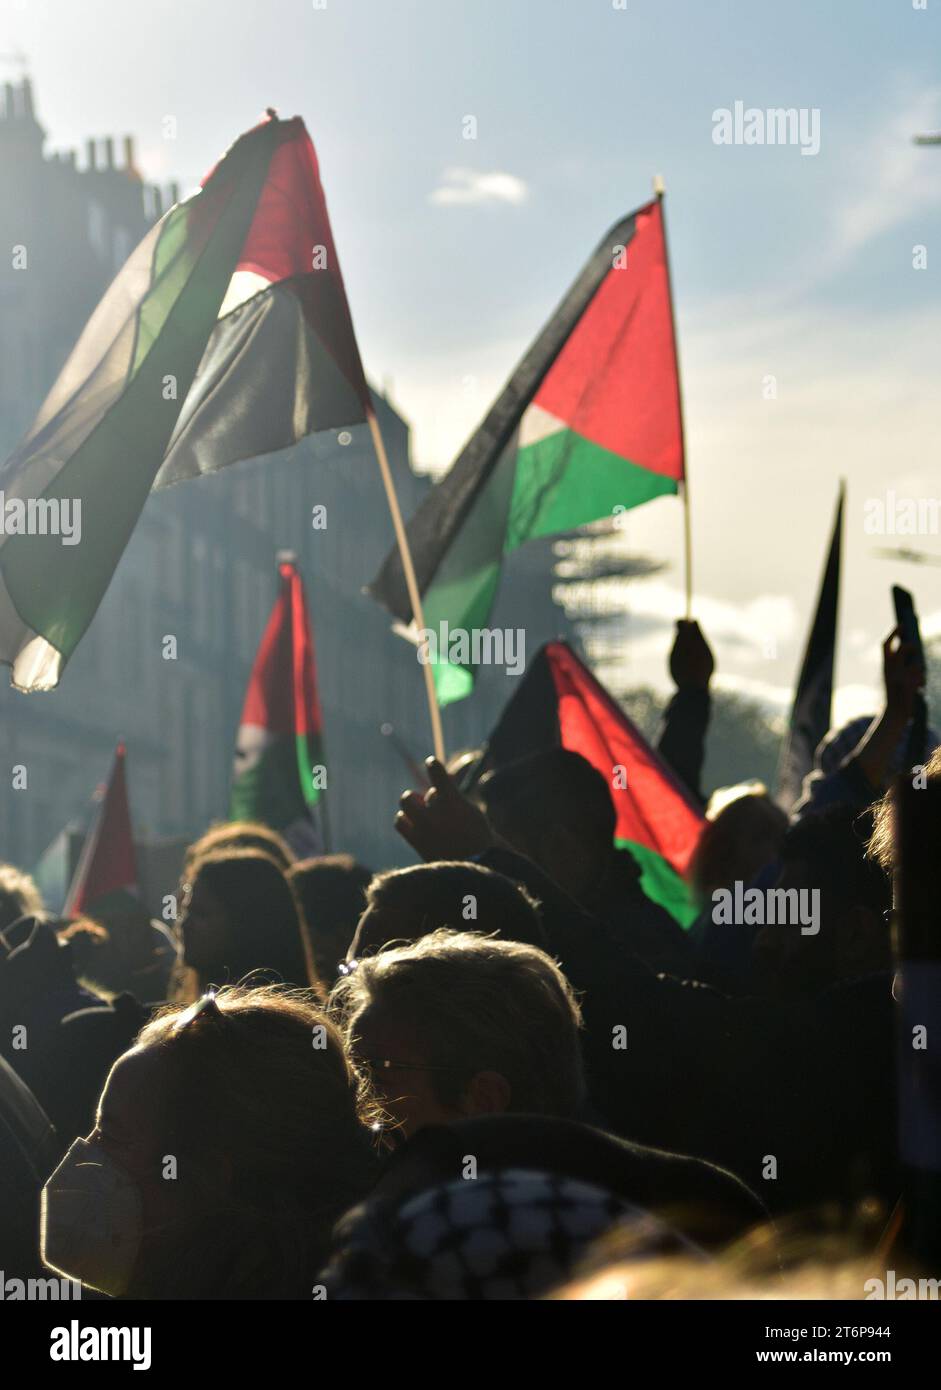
742, 834
234, 835
239, 915
249, 1103
460, 1024
557, 809
825, 853
331, 889
882, 847
405, 904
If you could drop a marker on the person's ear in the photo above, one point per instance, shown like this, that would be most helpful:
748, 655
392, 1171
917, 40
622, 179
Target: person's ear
488, 1093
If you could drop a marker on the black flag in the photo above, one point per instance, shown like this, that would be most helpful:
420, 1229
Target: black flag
810, 712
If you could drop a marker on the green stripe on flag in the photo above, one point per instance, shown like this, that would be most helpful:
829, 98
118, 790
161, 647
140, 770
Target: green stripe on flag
268, 791
662, 883
308, 755
175, 258
56, 590
559, 482
564, 480
464, 588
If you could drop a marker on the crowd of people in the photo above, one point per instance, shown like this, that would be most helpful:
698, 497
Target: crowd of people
502, 1072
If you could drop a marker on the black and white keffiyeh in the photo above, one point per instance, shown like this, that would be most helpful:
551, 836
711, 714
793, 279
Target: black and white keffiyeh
511, 1234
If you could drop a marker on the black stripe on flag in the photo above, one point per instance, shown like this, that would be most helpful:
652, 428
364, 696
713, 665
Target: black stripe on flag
435, 524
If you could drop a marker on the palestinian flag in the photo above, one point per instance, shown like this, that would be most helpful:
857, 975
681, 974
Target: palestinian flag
279, 773
226, 335
810, 712
107, 866
588, 425
559, 703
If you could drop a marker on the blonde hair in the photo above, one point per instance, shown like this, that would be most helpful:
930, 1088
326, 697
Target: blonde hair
478, 1004
817, 1254
19, 895
881, 845
235, 835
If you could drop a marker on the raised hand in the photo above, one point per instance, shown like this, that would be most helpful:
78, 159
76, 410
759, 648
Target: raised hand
691, 659
442, 823
903, 676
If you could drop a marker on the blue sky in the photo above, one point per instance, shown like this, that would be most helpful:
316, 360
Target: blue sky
785, 265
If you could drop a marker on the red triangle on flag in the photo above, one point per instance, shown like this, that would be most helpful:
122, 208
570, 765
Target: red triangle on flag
108, 861
653, 809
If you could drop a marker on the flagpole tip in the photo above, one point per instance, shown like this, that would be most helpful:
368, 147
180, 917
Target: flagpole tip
659, 187
287, 557
271, 112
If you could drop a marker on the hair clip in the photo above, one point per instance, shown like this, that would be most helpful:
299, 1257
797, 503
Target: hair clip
206, 1005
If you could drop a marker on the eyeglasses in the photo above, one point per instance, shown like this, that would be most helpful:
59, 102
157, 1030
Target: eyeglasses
386, 1064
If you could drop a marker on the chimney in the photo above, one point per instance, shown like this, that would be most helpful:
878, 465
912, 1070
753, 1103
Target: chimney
156, 198
26, 98
109, 153
129, 155
92, 154
174, 193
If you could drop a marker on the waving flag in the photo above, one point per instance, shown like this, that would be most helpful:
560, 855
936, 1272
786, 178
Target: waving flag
559, 703
588, 425
226, 334
810, 712
279, 774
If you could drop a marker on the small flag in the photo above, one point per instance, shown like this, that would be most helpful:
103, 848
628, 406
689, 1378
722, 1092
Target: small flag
810, 712
279, 776
107, 863
588, 426
559, 703
227, 334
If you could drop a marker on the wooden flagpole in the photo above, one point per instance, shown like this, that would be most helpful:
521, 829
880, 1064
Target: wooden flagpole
659, 189
411, 583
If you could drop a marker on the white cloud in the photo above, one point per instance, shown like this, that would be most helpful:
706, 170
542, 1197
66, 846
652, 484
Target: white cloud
463, 187
894, 177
